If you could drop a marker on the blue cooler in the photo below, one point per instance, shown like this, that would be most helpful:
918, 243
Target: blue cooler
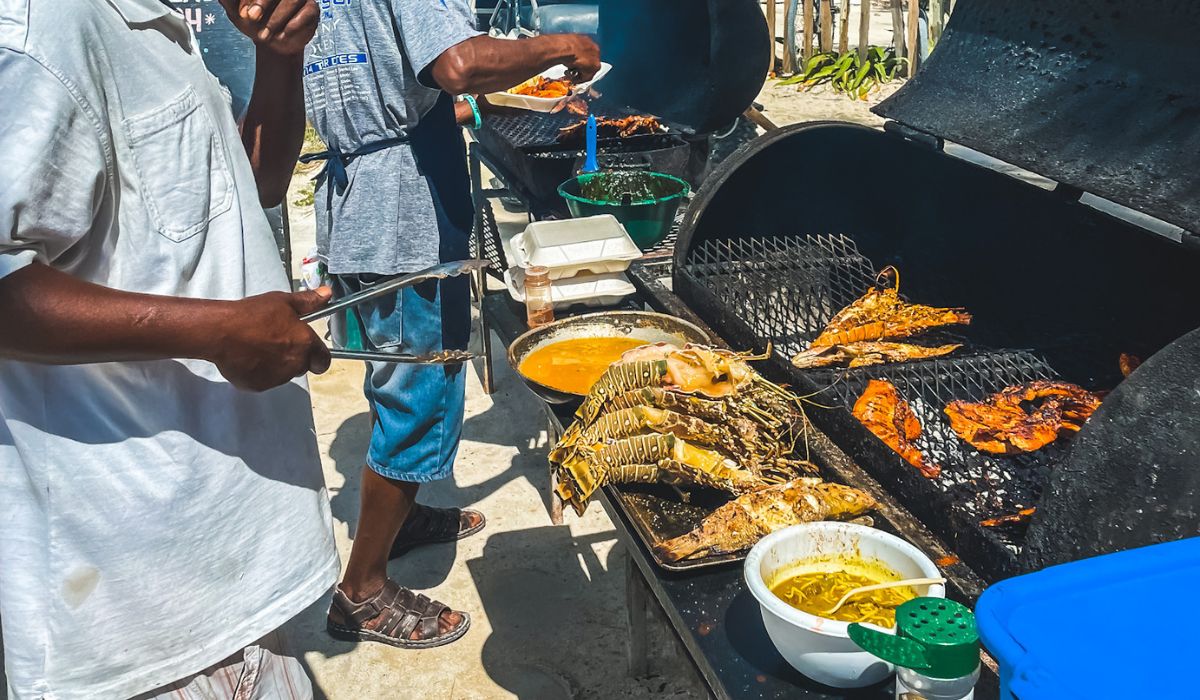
1117, 626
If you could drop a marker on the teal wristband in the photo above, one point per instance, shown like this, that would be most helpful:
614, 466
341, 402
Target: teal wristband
475, 111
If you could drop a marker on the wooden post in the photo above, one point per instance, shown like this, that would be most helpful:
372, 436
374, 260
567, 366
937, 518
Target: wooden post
864, 30
898, 28
806, 50
914, 50
826, 25
771, 33
936, 19
844, 30
789, 56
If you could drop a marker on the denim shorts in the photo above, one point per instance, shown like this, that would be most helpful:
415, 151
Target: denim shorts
417, 410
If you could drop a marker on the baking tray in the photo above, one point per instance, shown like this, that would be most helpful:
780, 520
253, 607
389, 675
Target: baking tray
657, 515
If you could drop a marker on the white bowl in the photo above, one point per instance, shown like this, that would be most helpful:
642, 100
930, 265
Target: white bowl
817, 647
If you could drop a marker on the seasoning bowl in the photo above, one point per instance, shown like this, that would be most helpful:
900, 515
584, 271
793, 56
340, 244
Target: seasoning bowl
648, 220
641, 325
818, 647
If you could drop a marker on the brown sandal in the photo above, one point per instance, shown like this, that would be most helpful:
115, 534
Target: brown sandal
429, 525
405, 612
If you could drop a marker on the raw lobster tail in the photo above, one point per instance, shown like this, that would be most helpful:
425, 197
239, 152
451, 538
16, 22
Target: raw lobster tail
619, 378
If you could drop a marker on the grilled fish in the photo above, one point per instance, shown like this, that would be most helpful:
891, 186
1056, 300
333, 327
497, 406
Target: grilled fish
881, 314
740, 523
1002, 424
892, 420
868, 352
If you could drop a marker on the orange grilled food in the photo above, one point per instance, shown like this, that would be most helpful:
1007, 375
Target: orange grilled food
1022, 418
539, 86
892, 420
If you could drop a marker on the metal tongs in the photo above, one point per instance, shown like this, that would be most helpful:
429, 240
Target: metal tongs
437, 272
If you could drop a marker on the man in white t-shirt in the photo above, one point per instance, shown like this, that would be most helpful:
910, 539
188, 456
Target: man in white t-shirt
162, 509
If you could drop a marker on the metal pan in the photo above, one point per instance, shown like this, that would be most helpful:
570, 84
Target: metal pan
642, 325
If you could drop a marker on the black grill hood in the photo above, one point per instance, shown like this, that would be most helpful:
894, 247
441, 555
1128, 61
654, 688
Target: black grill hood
696, 63
1103, 96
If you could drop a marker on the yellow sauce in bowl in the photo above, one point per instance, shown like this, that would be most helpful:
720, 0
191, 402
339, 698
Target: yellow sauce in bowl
574, 365
816, 591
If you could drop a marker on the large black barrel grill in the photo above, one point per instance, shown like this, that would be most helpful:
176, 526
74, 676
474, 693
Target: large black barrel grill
796, 226
695, 65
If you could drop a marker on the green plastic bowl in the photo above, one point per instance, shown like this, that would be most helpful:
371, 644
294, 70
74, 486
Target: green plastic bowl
648, 221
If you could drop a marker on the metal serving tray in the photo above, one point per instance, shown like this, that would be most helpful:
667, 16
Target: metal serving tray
657, 515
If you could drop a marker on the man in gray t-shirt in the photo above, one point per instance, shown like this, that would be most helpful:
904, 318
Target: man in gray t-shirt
395, 197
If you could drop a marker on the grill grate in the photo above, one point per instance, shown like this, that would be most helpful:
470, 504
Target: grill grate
784, 290
532, 129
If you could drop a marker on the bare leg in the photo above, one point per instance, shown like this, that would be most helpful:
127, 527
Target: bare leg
384, 506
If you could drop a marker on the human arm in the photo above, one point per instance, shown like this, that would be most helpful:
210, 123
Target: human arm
273, 127
484, 64
257, 343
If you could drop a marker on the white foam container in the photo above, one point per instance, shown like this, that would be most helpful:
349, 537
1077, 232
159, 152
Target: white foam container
546, 104
815, 646
586, 289
568, 247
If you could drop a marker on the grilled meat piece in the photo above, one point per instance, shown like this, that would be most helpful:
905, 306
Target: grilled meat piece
1021, 516
881, 314
740, 523
1128, 363
609, 128
892, 420
1003, 424
868, 352
539, 86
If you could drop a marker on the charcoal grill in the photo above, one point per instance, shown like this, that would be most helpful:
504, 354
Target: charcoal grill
695, 65
793, 228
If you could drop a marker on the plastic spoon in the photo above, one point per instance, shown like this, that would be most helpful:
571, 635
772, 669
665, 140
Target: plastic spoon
590, 165
880, 586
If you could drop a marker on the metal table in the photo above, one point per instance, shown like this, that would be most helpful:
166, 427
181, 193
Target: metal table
709, 610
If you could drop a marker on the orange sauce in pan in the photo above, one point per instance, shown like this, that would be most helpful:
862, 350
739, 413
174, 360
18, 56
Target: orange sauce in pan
574, 365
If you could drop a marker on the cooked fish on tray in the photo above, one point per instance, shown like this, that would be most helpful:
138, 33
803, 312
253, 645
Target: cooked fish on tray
1022, 418
892, 420
742, 522
866, 332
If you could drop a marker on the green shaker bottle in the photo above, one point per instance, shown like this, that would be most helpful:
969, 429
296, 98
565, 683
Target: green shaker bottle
935, 649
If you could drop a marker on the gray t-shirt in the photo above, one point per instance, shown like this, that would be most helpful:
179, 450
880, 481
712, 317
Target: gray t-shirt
361, 86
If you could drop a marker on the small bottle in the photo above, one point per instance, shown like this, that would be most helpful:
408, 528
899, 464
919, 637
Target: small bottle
539, 307
935, 649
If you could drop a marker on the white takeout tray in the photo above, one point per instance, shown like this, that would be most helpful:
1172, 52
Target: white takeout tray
545, 104
590, 290
596, 244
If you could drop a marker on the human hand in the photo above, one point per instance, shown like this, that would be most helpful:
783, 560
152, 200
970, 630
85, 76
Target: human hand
583, 57
281, 26
263, 342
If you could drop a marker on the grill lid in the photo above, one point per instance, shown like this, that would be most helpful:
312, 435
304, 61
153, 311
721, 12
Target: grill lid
696, 63
1101, 96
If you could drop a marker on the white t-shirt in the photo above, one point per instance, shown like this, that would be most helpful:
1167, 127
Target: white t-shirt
153, 519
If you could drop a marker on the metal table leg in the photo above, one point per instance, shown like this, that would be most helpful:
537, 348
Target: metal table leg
480, 278
636, 599
556, 502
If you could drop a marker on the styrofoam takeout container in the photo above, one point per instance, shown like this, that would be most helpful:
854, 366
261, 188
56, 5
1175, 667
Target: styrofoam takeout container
546, 104
595, 244
587, 289
818, 647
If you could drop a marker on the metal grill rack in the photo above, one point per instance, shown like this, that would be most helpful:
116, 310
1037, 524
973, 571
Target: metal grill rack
783, 290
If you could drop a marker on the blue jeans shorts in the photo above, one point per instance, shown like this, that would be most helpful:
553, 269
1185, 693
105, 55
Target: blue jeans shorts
417, 410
